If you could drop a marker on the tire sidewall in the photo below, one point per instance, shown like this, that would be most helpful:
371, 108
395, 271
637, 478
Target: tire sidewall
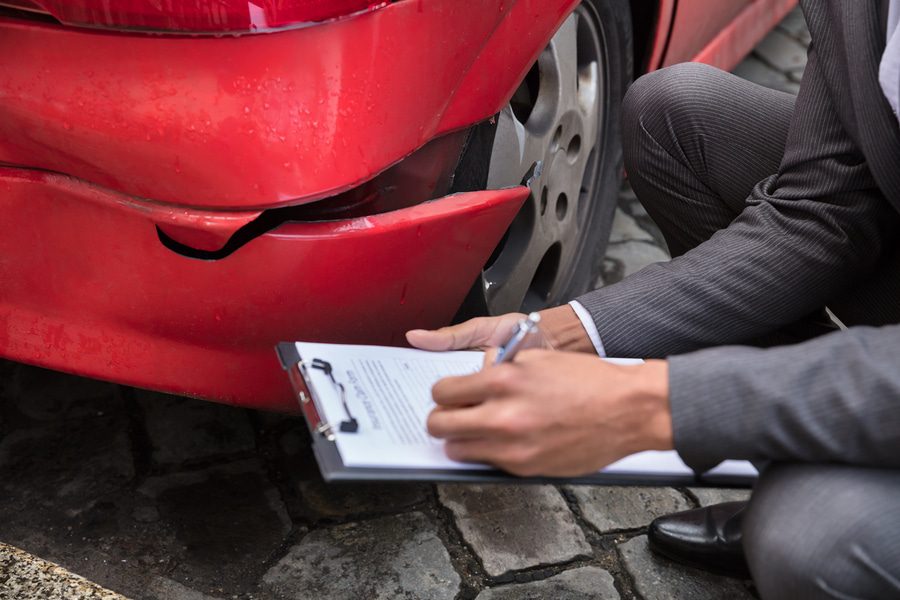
615, 26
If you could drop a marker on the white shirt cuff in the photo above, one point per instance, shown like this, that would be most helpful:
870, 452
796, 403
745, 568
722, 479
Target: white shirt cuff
588, 323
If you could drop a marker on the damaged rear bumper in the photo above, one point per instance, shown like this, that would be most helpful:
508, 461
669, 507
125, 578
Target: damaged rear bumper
88, 287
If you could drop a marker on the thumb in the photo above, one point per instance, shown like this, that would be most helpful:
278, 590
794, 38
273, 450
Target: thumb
470, 334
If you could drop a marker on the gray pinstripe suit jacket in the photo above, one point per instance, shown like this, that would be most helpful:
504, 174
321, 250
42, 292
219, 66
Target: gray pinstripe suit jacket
810, 231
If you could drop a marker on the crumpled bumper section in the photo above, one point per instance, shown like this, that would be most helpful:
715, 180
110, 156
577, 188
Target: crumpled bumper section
88, 288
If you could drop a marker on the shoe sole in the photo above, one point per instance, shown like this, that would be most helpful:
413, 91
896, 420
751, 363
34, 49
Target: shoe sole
707, 568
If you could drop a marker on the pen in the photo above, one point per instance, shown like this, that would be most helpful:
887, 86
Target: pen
522, 330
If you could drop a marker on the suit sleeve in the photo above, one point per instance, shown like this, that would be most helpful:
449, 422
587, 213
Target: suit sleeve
806, 233
832, 399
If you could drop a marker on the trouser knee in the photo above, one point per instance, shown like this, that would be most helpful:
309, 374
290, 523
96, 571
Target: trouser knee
661, 113
818, 532
657, 105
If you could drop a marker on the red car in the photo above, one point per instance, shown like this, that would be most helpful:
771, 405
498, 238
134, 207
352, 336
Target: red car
185, 184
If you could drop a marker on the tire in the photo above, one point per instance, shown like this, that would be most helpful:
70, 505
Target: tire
553, 249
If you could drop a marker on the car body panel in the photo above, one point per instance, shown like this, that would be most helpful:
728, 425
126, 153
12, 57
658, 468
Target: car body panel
721, 33
695, 23
97, 294
738, 37
266, 120
665, 12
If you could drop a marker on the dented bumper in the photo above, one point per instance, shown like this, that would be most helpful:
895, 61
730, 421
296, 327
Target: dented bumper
89, 289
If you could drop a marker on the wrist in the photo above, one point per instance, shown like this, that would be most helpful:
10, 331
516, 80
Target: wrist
562, 330
652, 395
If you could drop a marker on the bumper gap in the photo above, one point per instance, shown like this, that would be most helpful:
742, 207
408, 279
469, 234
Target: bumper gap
424, 175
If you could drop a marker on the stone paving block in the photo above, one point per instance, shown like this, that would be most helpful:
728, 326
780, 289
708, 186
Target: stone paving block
626, 229
43, 395
163, 588
629, 203
514, 527
182, 429
707, 496
227, 521
631, 257
584, 583
611, 508
794, 24
340, 500
782, 51
753, 69
24, 576
397, 557
657, 579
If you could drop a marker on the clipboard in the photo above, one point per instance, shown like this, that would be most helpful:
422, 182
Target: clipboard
334, 470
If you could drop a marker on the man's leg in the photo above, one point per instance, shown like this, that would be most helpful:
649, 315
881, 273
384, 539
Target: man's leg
696, 141
825, 531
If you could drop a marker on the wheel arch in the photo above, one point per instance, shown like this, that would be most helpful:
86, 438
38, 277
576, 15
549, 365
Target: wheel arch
651, 22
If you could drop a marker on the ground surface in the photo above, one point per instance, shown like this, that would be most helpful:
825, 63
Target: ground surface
166, 498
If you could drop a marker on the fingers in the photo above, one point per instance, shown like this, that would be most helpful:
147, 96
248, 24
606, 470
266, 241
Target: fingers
459, 423
516, 459
490, 355
478, 450
470, 389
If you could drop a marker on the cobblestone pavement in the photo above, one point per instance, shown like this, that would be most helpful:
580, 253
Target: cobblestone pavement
167, 498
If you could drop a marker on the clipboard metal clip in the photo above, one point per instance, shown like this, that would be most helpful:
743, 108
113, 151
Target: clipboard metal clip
348, 425
324, 429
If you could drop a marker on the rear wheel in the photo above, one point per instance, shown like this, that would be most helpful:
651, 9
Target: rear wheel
565, 114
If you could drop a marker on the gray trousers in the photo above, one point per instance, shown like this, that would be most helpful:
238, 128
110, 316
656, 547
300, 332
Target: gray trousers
693, 152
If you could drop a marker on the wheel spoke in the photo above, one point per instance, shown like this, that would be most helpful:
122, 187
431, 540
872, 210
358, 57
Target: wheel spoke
515, 150
564, 46
589, 94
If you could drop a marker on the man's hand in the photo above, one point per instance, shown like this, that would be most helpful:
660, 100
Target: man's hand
560, 329
481, 332
553, 413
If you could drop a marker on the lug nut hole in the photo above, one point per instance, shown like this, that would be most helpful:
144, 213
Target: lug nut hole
554, 145
574, 147
562, 207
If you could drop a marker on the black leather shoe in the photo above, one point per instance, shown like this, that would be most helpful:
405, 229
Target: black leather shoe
704, 538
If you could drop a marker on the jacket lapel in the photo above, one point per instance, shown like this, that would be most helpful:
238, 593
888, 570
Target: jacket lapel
877, 128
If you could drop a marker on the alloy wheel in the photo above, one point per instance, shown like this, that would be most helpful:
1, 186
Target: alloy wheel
555, 118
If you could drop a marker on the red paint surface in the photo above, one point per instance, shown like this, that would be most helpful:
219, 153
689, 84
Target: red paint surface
260, 121
195, 15
716, 33
696, 22
665, 14
738, 37
89, 289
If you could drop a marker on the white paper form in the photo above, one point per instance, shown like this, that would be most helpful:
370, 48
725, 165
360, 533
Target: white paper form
388, 391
